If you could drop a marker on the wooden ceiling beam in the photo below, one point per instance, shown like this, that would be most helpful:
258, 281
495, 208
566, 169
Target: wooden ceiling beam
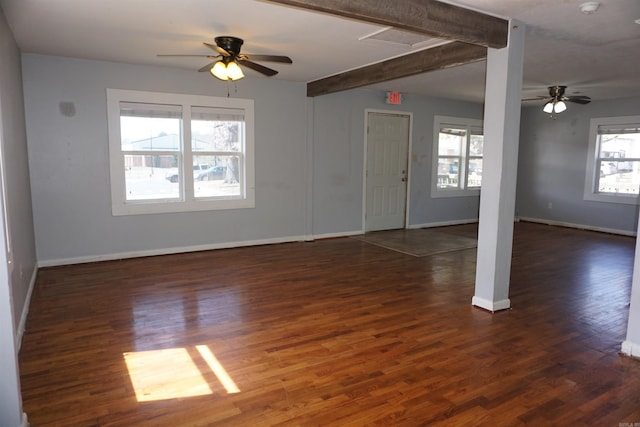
436, 58
429, 17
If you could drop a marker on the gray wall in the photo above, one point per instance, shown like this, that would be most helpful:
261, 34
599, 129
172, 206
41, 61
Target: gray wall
70, 170
338, 152
17, 246
552, 167
17, 199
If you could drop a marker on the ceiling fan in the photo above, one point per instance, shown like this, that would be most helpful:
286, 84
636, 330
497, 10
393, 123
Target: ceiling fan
556, 99
226, 63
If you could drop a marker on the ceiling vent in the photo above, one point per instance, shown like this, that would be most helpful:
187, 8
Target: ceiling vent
400, 37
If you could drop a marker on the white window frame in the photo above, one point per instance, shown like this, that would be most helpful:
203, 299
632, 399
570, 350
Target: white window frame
188, 203
438, 121
591, 179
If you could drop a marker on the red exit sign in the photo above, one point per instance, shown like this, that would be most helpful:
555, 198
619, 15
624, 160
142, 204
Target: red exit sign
394, 98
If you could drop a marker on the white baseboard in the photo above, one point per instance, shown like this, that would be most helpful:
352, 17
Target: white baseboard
578, 226
443, 223
168, 251
25, 422
631, 349
491, 306
194, 248
340, 234
25, 309
301, 238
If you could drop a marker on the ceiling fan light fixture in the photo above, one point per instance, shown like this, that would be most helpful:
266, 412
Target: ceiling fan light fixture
559, 107
227, 71
227, 48
219, 70
556, 101
234, 72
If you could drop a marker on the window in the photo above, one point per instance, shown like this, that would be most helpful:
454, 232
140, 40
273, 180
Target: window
178, 153
457, 157
613, 164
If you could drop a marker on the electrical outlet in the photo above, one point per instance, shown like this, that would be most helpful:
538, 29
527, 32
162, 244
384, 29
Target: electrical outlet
549, 205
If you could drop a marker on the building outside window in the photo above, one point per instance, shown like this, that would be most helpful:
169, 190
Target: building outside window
177, 153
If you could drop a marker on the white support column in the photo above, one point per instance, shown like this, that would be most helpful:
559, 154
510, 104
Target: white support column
11, 414
503, 93
10, 399
631, 346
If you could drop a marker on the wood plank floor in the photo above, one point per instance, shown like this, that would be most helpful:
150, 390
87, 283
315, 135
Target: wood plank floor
335, 333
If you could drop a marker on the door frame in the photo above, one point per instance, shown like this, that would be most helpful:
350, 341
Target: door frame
407, 197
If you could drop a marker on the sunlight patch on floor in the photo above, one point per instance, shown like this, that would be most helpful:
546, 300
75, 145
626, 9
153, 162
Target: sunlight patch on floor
173, 373
218, 369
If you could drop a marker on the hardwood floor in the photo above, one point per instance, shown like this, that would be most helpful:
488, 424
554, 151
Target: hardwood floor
335, 332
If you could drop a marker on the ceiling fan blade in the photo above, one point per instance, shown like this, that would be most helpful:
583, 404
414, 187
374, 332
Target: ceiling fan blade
207, 67
537, 98
218, 49
580, 99
268, 58
186, 55
257, 67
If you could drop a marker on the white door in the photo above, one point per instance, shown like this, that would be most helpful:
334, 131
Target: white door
386, 173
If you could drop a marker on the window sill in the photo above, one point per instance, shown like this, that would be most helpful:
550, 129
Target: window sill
625, 199
143, 208
454, 193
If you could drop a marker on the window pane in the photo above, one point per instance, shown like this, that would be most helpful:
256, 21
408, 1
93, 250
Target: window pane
450, 141
619, 177
221, 178
448, 173
150, 127
217, 129
617, 146
617, 174
152, 166
457, 157
476, 144
474, 178
149, 177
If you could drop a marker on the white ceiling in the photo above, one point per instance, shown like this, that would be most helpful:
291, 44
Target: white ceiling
595, 55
